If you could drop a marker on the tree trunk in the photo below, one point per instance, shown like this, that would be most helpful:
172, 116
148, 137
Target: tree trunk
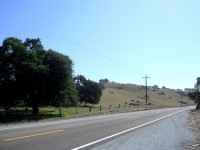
198, 105
35, 110
34, 98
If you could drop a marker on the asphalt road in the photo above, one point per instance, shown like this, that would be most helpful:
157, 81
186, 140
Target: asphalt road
82, 133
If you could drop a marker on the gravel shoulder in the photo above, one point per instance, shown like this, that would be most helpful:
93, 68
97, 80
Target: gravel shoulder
169, 133
194, 125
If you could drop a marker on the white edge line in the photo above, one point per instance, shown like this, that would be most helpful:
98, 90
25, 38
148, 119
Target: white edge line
45, 123
114, 135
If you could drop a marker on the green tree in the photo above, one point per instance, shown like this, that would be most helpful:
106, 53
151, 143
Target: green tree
195, 95
61, 88
34, 75
89, 91
11, 56
103, 81
23, 72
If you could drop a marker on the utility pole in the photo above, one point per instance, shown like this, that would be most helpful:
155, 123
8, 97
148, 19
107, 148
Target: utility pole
180, 98
146, 86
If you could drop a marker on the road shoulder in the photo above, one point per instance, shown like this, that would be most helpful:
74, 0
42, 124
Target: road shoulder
194, 126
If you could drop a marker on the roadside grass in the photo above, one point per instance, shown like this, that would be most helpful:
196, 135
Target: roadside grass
115, 98
23, 115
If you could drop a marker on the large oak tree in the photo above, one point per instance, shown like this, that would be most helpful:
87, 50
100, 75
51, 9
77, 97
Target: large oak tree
34, 75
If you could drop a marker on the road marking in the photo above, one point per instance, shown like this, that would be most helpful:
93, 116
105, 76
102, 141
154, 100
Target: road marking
70, 120
32, 135
117, 134
58, 122
132, 117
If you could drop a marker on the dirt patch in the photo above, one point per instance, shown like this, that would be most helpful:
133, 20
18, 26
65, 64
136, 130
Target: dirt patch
194, 125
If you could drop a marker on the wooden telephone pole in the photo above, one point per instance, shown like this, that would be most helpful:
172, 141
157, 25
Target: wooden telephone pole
146, 87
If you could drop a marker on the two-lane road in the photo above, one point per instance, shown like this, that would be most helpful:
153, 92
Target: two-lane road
81, 133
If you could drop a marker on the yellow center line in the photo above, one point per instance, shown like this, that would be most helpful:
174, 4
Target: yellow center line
32, 135
132, 117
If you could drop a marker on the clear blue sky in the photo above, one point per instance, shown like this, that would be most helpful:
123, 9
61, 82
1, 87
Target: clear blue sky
121, 40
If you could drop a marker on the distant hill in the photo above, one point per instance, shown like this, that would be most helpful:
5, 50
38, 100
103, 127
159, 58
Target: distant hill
117, 93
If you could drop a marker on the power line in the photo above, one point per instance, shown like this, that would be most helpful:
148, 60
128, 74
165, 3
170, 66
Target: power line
99, 57
103, 58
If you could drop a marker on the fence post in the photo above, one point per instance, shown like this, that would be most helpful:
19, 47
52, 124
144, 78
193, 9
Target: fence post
125, 105
76, 111
110, 107
119, 106
100, 107
60, 112
90, 109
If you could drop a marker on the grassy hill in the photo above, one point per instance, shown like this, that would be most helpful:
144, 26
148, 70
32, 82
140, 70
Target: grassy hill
116, 93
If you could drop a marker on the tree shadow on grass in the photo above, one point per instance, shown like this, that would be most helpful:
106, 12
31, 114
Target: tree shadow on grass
14, 116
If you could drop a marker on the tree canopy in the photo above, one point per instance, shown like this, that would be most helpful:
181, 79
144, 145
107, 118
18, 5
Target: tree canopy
38, 77
89, 91
195, 94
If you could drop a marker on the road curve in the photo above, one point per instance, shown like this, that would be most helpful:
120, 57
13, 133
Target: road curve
81, 133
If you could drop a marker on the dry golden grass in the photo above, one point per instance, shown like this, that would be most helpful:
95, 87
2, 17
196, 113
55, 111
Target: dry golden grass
115, 94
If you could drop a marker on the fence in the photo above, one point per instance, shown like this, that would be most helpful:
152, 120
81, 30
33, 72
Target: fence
16, 115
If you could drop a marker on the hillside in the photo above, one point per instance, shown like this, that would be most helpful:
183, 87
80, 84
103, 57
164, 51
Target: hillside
116, 93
